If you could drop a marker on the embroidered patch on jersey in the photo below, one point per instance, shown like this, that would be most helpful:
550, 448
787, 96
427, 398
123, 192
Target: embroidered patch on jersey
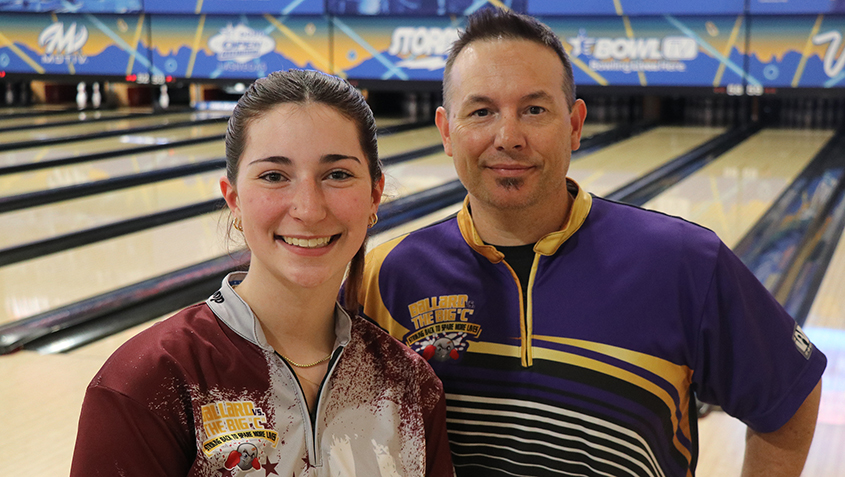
441, 326
217, 297
801, 341
237, 432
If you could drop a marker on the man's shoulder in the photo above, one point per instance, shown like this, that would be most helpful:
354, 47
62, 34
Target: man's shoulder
637, 222
417, 244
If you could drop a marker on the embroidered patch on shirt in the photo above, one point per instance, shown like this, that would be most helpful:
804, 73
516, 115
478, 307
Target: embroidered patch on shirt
802, 342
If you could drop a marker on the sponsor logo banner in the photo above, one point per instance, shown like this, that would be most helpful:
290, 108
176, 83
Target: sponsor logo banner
108, 45
238, 46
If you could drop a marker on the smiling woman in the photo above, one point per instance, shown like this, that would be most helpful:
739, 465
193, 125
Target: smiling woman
271, 372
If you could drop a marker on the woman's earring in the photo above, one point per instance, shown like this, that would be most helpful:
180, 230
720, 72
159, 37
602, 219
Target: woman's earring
373, 220
238, 225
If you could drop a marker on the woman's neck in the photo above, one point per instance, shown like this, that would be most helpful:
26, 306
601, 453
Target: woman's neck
298, 322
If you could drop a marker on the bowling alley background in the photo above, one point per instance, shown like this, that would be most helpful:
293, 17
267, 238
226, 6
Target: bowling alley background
737, 46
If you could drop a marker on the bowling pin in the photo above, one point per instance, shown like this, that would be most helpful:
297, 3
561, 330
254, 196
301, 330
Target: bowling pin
81, 95
96, 96
163, 98
10, 94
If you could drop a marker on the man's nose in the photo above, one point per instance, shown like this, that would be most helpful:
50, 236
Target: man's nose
510, 135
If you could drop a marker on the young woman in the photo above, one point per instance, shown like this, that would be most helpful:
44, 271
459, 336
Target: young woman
270, 376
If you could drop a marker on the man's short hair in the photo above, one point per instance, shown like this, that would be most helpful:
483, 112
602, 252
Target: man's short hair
494, 23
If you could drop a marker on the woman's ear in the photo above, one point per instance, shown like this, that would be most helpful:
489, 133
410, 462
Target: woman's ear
230, 194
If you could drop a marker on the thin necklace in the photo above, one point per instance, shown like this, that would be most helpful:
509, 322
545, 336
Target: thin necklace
306, 379
294, 363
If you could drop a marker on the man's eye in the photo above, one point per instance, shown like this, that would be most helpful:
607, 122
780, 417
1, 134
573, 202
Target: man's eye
536, 109
339, 175
480, 113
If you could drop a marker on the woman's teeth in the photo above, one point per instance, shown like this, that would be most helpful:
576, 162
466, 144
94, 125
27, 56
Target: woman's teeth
308, 243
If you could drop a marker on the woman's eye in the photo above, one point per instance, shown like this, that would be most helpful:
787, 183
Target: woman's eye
272, 177
339, 175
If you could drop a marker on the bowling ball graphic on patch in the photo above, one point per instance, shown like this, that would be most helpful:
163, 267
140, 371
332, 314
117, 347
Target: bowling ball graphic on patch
442, 349
245, 457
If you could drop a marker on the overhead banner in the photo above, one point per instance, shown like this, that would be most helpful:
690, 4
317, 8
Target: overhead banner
798, 51
385, 48
636, 7
66, 44
610, 51
72, 6
238, 46
418, 7
783, 7
274, 7
652, 51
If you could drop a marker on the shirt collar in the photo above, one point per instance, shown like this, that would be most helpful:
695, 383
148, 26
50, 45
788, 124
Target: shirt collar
230, 308
547, 245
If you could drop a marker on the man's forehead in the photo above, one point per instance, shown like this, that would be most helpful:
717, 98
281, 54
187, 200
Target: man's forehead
483, 63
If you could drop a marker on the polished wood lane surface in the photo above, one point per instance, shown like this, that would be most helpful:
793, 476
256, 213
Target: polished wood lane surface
408, 141
48, 132
730, 194
64, 176
48, 119
591, 129
114, 144
828, 310
50, 220
614, 166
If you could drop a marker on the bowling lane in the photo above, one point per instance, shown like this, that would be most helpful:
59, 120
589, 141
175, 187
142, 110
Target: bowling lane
50, 220
51, 132
62, 278
75, 174
56, 118
407, 141
614, 166
418, 175
730, 194
108, 144
591, 129
828, 310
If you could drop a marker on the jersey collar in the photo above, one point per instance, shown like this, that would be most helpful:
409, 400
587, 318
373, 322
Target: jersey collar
547, 245
230, 308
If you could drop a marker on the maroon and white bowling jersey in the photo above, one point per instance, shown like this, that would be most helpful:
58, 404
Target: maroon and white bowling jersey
203, 394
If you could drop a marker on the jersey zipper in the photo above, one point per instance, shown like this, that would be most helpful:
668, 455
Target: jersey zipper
311, 422
526, 324
528, 349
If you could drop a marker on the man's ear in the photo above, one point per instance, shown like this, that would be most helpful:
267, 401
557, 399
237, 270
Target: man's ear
577, 115
441, 119
378, 190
